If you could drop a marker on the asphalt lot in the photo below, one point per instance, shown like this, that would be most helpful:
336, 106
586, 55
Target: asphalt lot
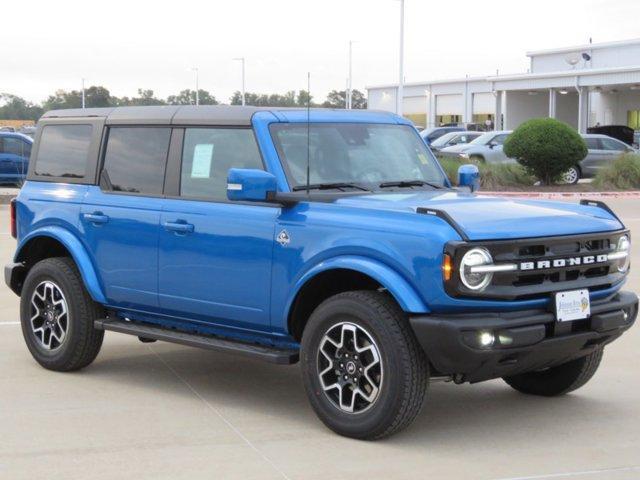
165, 411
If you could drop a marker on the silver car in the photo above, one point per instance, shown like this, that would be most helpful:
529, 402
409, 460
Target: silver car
488, 148
602, 151
453, 138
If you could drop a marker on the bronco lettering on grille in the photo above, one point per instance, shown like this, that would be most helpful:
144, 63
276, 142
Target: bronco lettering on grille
564, 262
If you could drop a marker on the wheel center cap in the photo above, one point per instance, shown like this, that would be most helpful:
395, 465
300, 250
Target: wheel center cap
351, 368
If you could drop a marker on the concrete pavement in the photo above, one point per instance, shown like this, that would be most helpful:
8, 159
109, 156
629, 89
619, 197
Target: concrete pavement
165, 411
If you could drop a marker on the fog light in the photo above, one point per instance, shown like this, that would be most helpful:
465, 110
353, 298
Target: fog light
486, 339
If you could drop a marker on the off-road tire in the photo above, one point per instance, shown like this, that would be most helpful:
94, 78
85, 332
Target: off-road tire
405, 369
83, 341
558, 380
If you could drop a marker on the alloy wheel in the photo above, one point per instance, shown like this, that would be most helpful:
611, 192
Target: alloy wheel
49, 317
350, 367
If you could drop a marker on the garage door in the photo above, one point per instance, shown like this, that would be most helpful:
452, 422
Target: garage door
483, 103
449, 105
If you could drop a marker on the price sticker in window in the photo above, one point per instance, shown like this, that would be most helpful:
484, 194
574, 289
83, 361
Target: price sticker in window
202, 157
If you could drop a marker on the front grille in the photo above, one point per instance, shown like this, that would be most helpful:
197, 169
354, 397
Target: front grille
540, 281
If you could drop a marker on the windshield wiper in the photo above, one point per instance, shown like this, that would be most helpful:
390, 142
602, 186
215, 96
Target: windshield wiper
409, 183
330, 186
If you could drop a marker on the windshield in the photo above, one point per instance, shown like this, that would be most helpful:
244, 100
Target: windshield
354, 153
439, 142
483, 139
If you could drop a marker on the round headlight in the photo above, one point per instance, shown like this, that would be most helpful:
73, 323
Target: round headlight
624, 246
474, 258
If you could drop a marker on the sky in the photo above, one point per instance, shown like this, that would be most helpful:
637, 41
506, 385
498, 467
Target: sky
126, 45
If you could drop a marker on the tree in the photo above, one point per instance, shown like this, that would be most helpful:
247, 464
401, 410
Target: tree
188, 97
95, 96
546, 148
145, 97
289, 99
338, 98
17, 108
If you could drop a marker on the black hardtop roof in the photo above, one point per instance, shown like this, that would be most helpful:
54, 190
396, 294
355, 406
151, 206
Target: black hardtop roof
171, 114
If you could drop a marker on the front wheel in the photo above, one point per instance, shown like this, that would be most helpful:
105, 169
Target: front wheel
558, 380
571, 176
364, 372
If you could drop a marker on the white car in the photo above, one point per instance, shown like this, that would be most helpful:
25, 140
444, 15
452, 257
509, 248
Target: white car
486, 148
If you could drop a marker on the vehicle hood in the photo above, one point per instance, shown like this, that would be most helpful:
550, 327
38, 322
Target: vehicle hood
483, 217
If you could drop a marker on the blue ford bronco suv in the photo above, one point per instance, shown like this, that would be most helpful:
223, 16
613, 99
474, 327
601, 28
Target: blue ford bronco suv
329, 237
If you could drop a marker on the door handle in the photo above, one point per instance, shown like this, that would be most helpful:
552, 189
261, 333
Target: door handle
95, 218
178, 227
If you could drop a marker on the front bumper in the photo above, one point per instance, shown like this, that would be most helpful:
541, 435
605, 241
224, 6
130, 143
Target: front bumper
524, 340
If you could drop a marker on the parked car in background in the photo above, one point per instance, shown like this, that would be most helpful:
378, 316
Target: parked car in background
602, 150
486, 148
636, 139
6, 128
433, 133
621, 132
28, 130
15, 150
468, 126
453, 138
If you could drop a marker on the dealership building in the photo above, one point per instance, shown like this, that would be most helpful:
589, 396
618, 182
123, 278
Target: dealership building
586, 85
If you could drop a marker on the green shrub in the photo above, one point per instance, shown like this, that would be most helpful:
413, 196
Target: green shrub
546, 148
622, 174
492, 176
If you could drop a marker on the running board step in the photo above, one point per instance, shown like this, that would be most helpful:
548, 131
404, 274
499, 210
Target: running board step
270, 354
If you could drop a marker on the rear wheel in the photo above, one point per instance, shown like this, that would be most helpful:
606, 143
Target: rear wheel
364, 372
572, 175
558, 380
57, 316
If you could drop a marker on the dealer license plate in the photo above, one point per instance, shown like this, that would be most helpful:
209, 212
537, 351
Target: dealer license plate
572, 305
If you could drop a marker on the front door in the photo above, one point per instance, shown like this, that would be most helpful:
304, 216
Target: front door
121, 218
215, 256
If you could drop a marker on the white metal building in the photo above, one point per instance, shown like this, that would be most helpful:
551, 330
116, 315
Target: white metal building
583, 86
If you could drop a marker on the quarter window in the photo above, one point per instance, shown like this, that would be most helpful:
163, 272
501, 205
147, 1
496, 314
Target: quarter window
207, 156
63, 151
135, 159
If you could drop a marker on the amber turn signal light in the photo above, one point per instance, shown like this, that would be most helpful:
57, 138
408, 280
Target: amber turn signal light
447, 267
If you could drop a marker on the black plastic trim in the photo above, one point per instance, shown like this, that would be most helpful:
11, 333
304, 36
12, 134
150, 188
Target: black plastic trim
602, 205
275, 355
447, 218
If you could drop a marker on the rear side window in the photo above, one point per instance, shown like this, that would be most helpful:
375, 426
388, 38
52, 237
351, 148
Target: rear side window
135, 159
207, 156
63, 151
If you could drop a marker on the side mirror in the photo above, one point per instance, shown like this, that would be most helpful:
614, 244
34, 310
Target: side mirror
250, 185
469, 176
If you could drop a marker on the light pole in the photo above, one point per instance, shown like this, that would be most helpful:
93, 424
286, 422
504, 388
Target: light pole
348, 101
83, 102
195, 69
241, 59
401, 66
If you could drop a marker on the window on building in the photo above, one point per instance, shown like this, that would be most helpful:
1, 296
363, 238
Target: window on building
64, 151
135, 159
207, 156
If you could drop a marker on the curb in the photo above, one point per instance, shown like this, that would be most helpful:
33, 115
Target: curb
631, 194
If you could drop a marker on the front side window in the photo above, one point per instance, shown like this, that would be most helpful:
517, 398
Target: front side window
63, 151
135, 159
368, 154
500, 139
207, 156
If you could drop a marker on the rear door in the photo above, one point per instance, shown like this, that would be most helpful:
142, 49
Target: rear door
120, 218
215, 256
